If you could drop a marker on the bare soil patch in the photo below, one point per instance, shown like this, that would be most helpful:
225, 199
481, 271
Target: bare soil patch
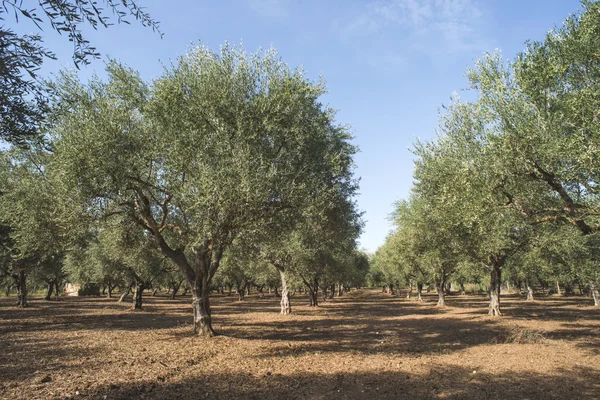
363, 345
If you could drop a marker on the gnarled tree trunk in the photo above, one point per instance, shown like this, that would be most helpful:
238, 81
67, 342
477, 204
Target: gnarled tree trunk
529, 291
286, 305
595, 294
495, 280
313, 293
441, 286
125, 293
21, 280
419, 291
49, 291
137, 295
201, 307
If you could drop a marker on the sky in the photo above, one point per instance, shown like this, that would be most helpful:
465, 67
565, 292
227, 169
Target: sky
389, 64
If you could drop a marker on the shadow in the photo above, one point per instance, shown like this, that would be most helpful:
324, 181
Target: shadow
443, 382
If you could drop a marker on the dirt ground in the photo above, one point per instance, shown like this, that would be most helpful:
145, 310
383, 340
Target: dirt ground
364, 345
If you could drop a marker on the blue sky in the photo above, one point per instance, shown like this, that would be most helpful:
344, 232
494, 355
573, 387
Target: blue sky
389, 64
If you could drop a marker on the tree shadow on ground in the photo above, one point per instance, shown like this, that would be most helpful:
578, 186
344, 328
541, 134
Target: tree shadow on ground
447, 382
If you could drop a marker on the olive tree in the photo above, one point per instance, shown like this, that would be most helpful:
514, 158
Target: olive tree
221, 145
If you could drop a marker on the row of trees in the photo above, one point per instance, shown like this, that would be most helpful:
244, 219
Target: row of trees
510, 187
225, 164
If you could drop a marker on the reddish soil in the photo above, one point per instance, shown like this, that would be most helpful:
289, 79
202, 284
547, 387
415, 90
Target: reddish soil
364, 345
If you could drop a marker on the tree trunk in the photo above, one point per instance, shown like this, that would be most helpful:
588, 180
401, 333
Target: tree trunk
22, 289
248, 289
441, 293
137, 296
595, 294
125, 293
241, 291
286, 306
495, 280
419, 291
49, 291
462, 289
529, 291
277, 292
175, 287
154, 292
340, 289
201, 306
558, 287
324, 291
110, 288
229, 289
410, 288
332, 291
313, 293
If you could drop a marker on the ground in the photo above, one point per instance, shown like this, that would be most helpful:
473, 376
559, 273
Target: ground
363, 345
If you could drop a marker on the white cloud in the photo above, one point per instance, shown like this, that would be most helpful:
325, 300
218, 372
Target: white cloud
427, 26
271, 9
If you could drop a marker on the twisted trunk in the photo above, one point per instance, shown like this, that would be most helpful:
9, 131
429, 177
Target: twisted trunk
419, 291
441, 285
49, 291
125, 293
595, 294
201, 307
495, 279
21, 280
313, 292
529, 291
137, 296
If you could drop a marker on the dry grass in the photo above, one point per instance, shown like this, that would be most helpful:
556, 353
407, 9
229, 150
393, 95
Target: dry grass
363, 345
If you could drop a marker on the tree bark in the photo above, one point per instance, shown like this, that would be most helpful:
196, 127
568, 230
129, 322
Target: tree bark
49, 291
441, 285
110, 288
495, 280
529, 291
462, 289
419, 291
125, 293
201, 307
21, 279
241, 291
558, 288
340, 289
137, 296
410, 288
595, 294
286, 305
313, 293
56, 292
